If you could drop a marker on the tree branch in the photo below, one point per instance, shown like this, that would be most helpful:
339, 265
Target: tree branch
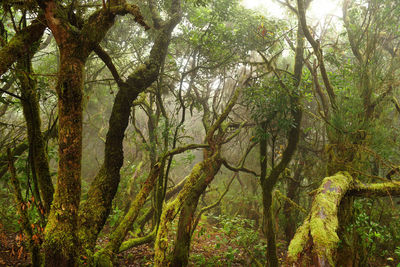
238, 169
20, 44
318, 52
103, 55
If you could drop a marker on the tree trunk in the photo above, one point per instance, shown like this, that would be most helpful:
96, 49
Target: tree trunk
197, 176
37, 150
61, 240
180, 256
290, 213
268, 183
96, 209
346, 253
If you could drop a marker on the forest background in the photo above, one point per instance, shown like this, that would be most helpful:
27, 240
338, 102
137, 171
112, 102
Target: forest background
199, 132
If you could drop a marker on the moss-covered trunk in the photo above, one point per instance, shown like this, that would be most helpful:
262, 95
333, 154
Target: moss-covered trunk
162, 246
61, 242
102, 191
315, 242
96, 209
180, 255
37, 149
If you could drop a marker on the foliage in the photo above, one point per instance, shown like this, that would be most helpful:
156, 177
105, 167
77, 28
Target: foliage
217, 45
268, 103
377, 240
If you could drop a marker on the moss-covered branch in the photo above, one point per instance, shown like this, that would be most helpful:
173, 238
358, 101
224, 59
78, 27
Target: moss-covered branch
20, 45
288, 200
133, 242
375, 190
238, 169
316, 241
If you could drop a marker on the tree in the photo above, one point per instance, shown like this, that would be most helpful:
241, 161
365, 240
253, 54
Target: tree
344, 155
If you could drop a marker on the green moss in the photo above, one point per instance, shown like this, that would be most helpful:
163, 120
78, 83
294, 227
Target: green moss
60, 241
20, 44
103, 258
298, 242
322, 223
161, 246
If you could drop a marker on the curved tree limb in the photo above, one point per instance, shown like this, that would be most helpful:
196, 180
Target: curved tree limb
316, 240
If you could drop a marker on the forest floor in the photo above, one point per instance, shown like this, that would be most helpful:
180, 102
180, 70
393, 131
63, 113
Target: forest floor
210, 247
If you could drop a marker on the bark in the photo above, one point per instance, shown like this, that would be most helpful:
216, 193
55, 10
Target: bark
316, 241
97, 207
